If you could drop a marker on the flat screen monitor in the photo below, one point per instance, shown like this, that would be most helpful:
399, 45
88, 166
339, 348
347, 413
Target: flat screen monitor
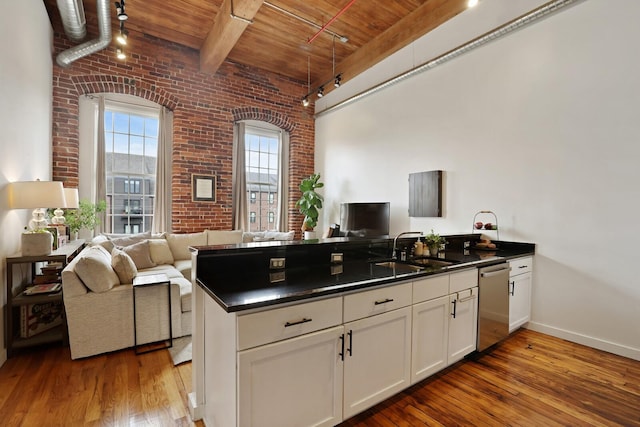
364, 219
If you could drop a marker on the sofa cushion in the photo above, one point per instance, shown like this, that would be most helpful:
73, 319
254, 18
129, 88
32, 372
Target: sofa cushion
123, 265
223, 237
179, 243
184, 267
160, 251
251, 236
140, 253
95, 271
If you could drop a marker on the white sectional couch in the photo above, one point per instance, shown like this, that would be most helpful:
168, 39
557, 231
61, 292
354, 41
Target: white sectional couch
98, 290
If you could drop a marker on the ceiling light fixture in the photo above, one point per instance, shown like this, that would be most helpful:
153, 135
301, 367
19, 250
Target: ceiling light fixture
122, 37
305, 101
472, 3
338, 80
120, 54
122, 15
320, 91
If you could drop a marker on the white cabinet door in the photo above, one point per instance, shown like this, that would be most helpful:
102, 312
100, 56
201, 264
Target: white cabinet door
430, 338
519, 300
296, 382
463, 324
377, 361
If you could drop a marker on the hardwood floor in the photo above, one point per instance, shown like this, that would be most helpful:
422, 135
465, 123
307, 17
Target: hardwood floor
530, 379
47, 388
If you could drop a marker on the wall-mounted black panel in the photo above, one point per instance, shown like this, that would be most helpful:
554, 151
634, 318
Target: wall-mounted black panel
425, 194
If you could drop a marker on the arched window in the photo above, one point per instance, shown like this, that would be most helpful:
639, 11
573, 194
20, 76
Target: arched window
122, 161
260, 175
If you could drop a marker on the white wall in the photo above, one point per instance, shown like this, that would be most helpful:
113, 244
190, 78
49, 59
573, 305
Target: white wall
25, 116
541, 127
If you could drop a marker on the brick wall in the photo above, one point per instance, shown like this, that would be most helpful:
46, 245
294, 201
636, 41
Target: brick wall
204, 106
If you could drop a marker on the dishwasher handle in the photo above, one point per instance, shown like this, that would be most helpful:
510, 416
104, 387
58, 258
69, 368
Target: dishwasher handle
494, 272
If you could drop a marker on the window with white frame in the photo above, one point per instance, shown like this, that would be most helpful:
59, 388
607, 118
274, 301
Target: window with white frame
262, 148
131, 151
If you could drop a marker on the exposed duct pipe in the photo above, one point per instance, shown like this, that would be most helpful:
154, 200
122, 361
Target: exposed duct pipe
73, 19
68, 56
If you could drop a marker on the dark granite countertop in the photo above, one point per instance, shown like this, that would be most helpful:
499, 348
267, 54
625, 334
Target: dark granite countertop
238, 276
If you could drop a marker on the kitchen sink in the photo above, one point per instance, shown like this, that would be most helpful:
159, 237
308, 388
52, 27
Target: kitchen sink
430, 262
400, 267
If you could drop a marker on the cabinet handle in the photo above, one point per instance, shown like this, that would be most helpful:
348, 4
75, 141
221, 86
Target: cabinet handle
454, 302
299, 322
513, 288
522, 266
384, 301
350, 333
341, 354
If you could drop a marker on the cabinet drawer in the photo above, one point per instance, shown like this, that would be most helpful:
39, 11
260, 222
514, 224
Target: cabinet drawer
376, 301
281, 323
463, 280
430, 288
521, 265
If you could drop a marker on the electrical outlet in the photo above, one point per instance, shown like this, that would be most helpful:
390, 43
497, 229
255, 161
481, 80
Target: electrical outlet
276, 263
466, 244
337, 257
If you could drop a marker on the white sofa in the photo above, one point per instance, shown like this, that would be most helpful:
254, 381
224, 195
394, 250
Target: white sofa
98, 291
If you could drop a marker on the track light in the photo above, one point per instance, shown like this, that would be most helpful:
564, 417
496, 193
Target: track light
305, 101
338, 80
472, 3
320, 91
122, 37
122, 15
120, 54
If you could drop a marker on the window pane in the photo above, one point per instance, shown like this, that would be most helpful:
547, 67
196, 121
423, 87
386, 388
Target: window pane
121, 123
151, 127
121, 143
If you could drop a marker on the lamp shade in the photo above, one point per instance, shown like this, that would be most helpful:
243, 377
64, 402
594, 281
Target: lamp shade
36, 194
71, 197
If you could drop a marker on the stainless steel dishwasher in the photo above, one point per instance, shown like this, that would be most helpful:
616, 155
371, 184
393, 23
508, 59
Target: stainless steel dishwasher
493, 304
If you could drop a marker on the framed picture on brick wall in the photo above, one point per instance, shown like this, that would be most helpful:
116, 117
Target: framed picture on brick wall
203, 188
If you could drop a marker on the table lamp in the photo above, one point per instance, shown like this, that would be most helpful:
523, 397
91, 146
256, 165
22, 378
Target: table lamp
72, 202
36, 195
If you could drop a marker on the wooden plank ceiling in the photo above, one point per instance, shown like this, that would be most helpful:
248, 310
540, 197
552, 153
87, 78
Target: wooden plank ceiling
277, 39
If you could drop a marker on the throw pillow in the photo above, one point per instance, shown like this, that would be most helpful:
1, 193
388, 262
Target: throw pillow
123, 265
179, 243
140, 254
95, 271
223, 237
129, 240
160, 251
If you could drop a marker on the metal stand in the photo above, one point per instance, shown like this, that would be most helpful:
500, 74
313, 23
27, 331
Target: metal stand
494, 223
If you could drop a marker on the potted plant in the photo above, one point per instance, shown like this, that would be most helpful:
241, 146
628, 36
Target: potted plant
433, 242
85, 217
309, 204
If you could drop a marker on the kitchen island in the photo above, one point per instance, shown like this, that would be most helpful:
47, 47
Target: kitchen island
311, 333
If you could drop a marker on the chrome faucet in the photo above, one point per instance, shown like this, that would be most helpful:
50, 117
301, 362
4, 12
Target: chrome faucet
395, 241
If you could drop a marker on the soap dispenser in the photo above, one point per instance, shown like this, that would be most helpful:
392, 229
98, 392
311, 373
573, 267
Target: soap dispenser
418, 248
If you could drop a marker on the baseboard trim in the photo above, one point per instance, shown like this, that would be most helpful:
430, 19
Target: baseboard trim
194, 409
619, 349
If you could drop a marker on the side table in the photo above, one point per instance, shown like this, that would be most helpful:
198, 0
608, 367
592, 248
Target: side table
16, 299
145, 281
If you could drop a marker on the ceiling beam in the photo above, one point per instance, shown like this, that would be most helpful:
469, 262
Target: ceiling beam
424, 19
230, 22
